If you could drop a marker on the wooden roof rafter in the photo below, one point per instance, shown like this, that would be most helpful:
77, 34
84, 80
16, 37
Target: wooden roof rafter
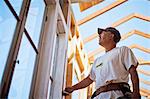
101, 49
145, 91
133, 15
146, 35
144, 62
140, 48
145, 81
123, 20
143, 94
143, 72
97, 13
86, 5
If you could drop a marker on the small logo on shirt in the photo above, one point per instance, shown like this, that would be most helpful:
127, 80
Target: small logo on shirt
99, 65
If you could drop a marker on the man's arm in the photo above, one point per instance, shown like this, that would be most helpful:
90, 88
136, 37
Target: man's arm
135, 82
84, 83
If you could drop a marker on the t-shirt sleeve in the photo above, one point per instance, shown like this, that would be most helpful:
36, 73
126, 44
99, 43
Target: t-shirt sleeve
92, 72
128, 58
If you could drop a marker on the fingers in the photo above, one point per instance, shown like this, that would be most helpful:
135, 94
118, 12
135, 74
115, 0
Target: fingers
65, 93
69, 89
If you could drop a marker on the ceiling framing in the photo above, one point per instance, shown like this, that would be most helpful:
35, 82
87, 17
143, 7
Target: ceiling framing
91, 55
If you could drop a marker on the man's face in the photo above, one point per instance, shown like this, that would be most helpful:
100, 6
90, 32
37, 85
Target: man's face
105, 37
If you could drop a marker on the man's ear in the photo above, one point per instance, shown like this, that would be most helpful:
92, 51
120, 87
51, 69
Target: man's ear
112, 36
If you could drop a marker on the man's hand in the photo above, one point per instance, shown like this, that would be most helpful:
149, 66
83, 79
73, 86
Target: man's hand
84, 83
68, 90
136, 95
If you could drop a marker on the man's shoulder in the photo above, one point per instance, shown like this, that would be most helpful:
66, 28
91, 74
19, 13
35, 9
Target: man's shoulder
98, 58
124, 48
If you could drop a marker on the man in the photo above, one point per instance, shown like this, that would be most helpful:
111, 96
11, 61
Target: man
111, 71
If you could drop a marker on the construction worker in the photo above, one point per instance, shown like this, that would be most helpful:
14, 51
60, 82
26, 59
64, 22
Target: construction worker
110, 72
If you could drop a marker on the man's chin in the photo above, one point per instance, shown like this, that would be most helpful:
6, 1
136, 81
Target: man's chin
100, 43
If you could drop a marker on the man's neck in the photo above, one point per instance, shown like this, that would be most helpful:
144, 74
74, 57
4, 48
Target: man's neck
110, 47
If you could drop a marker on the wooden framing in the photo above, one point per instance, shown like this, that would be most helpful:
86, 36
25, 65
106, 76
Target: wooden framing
60, 64
146, 35
86, 5
79, 59
44, 61
52, 60
133, 15
107, 8
143, 94
91, 37
144, 81
144, 72
123, 20
98, 50
145, 91
71, 57
69, 76
140, 48
49, 2
15, 45
72, 26
101, 49
144, 62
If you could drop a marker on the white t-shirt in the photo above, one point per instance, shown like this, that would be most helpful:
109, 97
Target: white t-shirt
113, 66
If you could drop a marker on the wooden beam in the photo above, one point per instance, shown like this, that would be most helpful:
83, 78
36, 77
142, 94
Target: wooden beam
144, 72
79, 59
146, 35
77, 71
144, 62
85, 5
123, 20
90, 38
144, 81
133, 15
98, 50
50, 2
70, 57
107, 8
147, 50
143, 94
145, 91
69, 77
101, 49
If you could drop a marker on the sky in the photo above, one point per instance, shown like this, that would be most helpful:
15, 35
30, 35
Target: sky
141, 7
